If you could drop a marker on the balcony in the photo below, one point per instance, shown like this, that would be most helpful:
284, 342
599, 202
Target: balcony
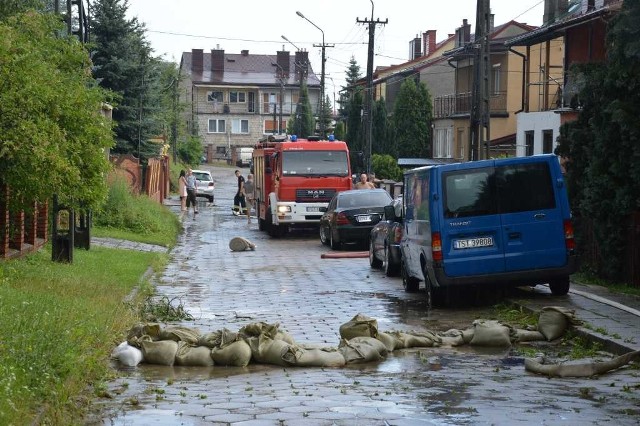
459, 104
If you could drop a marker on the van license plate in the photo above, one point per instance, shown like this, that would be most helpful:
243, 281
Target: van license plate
473, 243
314, 209
363, 218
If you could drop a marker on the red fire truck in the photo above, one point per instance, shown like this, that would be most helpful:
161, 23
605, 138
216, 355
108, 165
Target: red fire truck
296, 178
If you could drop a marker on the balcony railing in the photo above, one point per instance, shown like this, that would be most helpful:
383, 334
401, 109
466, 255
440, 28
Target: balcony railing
460, 104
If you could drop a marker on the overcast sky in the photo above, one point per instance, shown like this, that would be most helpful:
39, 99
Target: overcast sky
176, 26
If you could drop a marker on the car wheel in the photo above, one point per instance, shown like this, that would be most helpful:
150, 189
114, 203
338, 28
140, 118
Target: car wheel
211, 199
559, 286
428, 289
390, 268
335, 245
323, 236
373, 260
410, 284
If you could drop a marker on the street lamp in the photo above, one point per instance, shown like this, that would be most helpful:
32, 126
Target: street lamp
290, 42
321, 74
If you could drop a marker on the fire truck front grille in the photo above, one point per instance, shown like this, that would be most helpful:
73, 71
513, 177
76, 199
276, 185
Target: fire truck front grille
314, 195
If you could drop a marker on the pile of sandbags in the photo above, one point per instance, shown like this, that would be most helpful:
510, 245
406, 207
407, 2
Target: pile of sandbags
361, 341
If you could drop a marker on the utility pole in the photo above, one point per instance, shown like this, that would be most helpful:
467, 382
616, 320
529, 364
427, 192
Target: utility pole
368, 105
480, 117
323, 46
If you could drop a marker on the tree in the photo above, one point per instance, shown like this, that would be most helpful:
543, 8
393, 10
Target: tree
350, 111
328, 116
603, 145
124, 65
13, 7
381, 143
386, 167
412, 117
302, 123
53, 133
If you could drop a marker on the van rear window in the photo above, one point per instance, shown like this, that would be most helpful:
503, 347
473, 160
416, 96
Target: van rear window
504, 189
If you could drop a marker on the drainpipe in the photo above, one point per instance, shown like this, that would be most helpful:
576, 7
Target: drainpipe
524, 77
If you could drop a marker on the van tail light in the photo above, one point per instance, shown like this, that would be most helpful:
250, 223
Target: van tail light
342, 219
397, 235
436, 247
569, 239
211, 184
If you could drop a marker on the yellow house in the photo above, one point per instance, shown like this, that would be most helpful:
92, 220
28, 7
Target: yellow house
452, 112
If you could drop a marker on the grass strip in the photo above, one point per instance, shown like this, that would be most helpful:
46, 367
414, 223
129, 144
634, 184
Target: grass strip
58, 324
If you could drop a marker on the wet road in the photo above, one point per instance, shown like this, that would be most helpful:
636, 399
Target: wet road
285, 281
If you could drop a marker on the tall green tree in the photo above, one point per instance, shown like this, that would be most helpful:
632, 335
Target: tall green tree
380, 131
13, 7
328, 116
412, 117
302, 123
53, 135
350, 112
603, 145
124, 65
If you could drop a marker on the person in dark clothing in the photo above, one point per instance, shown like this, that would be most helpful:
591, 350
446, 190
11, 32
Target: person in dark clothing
239, 201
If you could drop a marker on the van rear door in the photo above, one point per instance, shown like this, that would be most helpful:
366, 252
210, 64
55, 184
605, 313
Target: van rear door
531, 214
472, 240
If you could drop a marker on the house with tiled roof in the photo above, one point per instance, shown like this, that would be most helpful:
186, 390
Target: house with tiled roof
452, 112
573, 32
236, 99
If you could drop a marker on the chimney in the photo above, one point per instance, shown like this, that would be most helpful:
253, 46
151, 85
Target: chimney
302, 62
463, 34
283, 61
414, 48
429, 42
196, 60
550, 7
244, 52
217, 60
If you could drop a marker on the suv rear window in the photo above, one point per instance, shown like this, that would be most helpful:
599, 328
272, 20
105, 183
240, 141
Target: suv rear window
504, 189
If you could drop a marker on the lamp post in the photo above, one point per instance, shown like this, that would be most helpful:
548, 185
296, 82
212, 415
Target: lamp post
321, 74
290, 42
281, 94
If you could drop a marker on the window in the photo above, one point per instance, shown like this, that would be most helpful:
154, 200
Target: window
528, 143
505, 189
237, 97
217, 126
496, 71
547, 141
270, 102
314, 163
240, 126
271, 126
443, 143
215, 97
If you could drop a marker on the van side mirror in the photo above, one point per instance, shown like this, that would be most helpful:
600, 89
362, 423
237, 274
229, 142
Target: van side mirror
390, 212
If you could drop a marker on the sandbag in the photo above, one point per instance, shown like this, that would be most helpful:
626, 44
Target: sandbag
316, 357
271, 330
265, 350
415, 339
359, 325
127, 355
362, 349
528, 335
149, 329
579, 370
491, 333
452, 337
218, 338
179, 333
193, 356
241, 244
160, 352
236, 354
390, 341
554, 321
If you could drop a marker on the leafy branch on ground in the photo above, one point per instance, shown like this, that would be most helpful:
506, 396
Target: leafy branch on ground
164, 310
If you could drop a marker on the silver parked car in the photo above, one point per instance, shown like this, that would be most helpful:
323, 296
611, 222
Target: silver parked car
205, 184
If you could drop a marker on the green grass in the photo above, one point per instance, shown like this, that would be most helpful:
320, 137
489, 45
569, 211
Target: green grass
58, 323
135, 218
515, 315
588, 278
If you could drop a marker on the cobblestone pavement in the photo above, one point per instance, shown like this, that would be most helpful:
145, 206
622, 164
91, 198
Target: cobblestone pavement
285, 281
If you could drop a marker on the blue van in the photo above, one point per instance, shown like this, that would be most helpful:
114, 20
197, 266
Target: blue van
503, 221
